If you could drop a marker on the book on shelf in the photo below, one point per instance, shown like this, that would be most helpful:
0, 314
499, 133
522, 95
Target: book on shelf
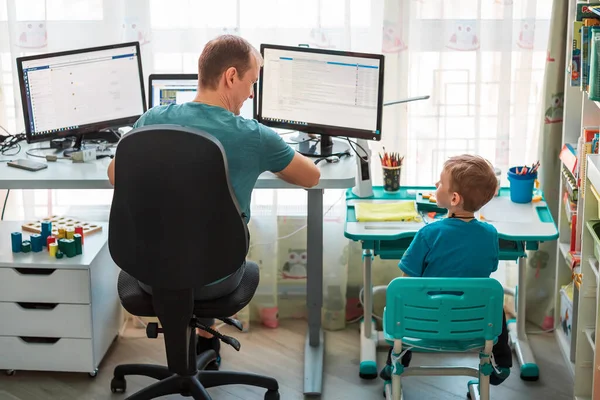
568, 156
585, 18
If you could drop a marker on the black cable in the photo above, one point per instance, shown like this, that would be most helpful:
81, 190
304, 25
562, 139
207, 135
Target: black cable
362, 148
4, 207
11, 142
340, 155
356, 152
15, 146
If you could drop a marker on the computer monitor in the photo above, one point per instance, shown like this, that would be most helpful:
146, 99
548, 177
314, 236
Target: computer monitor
166, 89
79, 92
326, 92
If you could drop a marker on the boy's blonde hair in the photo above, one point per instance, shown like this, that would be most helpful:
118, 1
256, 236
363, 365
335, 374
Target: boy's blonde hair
473, 178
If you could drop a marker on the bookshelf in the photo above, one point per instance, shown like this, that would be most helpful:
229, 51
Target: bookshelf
575, 251
579, 112
586, 361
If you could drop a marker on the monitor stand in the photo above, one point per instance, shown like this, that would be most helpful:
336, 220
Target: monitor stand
325, 147
108, 135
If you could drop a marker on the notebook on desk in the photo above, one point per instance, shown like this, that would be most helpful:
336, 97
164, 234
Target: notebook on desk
405, 211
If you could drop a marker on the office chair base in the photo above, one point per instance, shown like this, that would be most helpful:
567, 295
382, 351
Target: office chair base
194, 385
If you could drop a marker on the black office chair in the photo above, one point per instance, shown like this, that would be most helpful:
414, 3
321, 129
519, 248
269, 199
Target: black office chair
175, 225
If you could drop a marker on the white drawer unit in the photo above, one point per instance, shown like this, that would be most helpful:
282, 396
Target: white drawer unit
57, 314
47, 285
45, 354
46, 320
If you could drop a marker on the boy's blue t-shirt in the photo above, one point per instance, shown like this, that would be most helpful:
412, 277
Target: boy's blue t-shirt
250, 147
452, 248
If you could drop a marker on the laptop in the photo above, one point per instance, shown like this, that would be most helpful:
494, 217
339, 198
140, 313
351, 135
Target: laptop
167, 89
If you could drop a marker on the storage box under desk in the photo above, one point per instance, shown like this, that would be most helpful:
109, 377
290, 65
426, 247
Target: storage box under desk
57, 314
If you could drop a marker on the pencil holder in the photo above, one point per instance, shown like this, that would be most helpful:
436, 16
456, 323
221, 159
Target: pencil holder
391, 178
521, 186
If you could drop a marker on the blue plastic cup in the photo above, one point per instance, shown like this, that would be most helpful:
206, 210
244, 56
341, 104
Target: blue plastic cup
521, 186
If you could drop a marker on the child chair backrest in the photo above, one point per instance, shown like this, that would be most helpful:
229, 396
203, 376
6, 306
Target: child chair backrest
458, 309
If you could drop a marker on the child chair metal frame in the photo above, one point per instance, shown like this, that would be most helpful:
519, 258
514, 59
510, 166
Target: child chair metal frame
443, 315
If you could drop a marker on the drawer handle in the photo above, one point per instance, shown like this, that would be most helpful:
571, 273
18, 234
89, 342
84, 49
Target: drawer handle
38, 306
39, 340
35, 271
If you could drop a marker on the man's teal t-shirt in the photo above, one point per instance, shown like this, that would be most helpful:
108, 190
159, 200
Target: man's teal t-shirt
250, 147
452, 248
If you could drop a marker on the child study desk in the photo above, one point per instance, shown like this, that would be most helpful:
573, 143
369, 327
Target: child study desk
520, 227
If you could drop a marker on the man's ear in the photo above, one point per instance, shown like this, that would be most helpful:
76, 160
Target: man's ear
230, 74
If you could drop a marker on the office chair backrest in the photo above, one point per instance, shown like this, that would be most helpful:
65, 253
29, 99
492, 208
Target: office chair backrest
444, 308
175, 222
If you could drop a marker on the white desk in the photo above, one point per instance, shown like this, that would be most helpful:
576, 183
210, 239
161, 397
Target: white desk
63, 174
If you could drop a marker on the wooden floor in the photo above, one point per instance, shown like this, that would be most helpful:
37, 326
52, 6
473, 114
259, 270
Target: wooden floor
279, 353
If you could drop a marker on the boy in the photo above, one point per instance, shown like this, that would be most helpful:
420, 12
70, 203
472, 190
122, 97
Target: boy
459, 245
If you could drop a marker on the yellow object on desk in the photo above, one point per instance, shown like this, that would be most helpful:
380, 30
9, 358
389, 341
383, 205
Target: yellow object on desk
397, 211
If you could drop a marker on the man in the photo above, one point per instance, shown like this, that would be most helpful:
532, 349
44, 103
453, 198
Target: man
227, 69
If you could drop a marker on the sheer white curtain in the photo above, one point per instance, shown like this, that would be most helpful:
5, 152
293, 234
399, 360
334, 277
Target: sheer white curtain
481, 61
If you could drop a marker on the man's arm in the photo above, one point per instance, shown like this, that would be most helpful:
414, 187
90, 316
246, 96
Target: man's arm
111, 172
301, 171
278, 157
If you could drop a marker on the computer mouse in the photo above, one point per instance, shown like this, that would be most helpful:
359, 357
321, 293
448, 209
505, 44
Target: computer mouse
332, 159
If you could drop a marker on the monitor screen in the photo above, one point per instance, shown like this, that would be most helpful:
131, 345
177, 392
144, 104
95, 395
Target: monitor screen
327, 92
81, 91
172, 89
167, 89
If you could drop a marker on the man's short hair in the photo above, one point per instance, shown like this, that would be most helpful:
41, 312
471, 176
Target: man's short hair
222, 53
473, 178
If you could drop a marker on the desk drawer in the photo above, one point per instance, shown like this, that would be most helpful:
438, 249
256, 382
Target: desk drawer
46, 320
22, 353
44, 285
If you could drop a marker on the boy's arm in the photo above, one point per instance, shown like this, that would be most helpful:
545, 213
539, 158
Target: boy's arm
496, 252
413, 260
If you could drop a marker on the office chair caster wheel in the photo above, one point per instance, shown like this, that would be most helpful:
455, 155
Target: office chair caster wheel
118, 385
272, 395
10, 372
94, 373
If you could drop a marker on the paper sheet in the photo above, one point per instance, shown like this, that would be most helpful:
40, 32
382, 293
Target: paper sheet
502, 209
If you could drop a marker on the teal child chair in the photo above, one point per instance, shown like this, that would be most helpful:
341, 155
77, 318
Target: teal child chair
443, 315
